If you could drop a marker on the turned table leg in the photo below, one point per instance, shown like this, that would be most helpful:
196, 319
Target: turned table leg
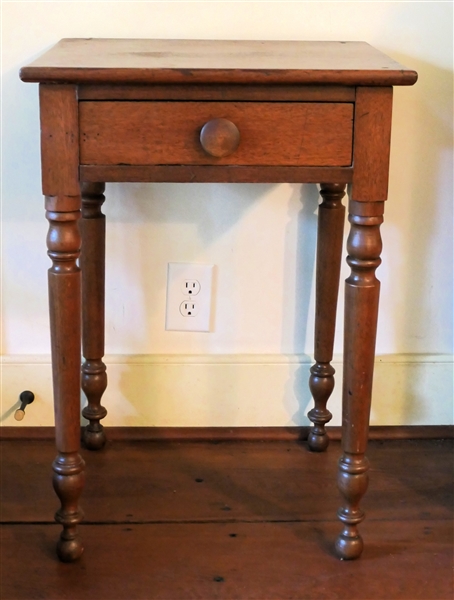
60, 175
94, 377
361, 310
63, 242
331, 214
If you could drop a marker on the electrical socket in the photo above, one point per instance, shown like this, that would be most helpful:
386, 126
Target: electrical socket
191, 287
189, 309
189, 297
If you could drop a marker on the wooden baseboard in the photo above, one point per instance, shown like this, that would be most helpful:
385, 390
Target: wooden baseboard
238, 390
208, 434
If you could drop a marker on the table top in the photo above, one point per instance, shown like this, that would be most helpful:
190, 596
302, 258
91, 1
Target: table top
138, 61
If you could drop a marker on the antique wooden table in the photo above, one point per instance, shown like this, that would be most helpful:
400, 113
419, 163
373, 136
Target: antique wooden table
223, 111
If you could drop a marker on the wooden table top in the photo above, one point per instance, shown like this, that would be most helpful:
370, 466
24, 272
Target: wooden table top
214, 61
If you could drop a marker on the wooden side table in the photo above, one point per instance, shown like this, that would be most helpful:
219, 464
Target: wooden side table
224, 111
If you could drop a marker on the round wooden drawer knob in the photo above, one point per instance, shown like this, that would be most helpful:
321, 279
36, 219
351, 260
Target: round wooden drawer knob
219, 137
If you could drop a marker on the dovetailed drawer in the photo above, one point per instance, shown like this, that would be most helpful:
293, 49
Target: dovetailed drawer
168, 133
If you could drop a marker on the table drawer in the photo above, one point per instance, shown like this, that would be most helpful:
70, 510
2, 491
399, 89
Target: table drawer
168, 133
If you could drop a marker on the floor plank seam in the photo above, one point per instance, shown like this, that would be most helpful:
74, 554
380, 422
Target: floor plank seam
178, 522
224, 521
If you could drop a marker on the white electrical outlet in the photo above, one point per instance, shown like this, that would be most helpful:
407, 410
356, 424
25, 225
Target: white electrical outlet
189, 309
189, 296
190, 287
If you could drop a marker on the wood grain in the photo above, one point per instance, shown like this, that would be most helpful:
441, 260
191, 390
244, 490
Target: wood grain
269, 93
60, 158
212, 173
122, 139
92, 263
59, 126
134, 482
373, 109
254, 553
63, 242
362, 290
331, 217
216, 61
159, 133
265, 560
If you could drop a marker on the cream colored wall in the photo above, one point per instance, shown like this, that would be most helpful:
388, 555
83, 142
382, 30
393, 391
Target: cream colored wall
260, 237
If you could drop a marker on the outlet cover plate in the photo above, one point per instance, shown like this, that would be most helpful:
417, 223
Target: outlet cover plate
178, 293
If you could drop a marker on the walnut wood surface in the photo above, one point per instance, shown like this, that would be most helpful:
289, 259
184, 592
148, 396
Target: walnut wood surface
373, 110
362, 289
331, 215
59, 120
211, 173
59, 146
92, 262
141, 133
204, 61
63, 242
58, 106
199, 91
369, 191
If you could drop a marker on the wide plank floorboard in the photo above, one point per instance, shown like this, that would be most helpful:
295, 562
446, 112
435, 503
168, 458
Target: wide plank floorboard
245, 520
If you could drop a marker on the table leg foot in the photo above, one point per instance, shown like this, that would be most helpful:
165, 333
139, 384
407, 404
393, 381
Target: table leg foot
321, 384
94, 383
69, 547
93, 436
68, 481
349, 544
352, 482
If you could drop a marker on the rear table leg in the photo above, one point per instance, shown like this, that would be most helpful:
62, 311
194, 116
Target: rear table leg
94, 377
329, 251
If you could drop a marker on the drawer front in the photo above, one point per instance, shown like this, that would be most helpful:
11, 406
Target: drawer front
168, 133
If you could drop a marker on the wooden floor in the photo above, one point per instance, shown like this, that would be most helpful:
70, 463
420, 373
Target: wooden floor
243, 520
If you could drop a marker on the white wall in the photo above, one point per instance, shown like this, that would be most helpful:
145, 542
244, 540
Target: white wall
260, 237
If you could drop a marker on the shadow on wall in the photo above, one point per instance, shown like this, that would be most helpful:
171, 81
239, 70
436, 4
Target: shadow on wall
212, 210
303, 274
420, 201
403, 385
215, 214
208, 211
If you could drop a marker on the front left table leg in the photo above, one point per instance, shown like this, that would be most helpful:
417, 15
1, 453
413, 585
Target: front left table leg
63, 242
94, 377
